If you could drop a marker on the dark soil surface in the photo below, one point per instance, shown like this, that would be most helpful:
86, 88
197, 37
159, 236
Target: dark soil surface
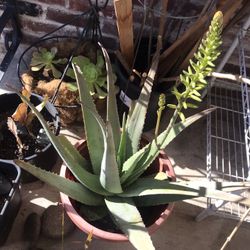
9, 148
149, 216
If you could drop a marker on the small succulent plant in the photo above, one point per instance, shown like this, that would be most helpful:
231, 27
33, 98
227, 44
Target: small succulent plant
94, 75
46, 60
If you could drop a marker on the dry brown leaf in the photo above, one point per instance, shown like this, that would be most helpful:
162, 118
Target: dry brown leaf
88, 240
26, 92
20, 114
13, 129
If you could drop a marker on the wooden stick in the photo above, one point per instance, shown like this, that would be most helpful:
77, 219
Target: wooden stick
124, 22
236, 78
175, 54
182, 45
229, 238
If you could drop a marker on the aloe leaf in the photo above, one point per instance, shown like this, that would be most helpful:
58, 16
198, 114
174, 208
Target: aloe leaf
73, 189
109, 176
75, 162
137, 119
129, 220
152, 192
150, 186
92, 129
112, 112
121, 155
140, 161
163, 192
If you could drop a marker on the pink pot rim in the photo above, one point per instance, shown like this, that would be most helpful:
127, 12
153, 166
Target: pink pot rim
86, 227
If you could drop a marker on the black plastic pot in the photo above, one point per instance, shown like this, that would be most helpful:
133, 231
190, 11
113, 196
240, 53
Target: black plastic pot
48, 156
130, 91
10, 196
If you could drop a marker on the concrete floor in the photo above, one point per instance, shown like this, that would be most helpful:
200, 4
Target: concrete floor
180, 232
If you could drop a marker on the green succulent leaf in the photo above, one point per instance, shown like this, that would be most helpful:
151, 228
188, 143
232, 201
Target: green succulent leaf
72, 86
92, 128
75, 162
140, 161
93, 74
46, 59
37, 67
192, 106
56, 73
137, 118
109, 176
112, 112
196, 98
71, 188
121, 154
177, 191
60, 61
101, 94
172, 106
129, 220
70, 73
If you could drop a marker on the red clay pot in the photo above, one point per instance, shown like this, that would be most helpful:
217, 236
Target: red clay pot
161, 164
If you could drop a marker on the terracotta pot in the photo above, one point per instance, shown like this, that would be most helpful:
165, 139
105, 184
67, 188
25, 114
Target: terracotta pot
162, 163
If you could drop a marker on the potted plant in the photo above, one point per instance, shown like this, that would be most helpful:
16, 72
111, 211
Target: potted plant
49, 74
21, 134
115, 172
10, 197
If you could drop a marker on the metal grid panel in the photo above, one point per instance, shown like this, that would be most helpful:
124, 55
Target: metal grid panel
228, 138
226, 152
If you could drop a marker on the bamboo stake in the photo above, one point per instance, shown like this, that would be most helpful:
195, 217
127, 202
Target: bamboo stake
124, 22
229, 238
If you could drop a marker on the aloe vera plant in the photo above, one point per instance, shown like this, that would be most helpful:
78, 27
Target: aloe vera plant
116, 159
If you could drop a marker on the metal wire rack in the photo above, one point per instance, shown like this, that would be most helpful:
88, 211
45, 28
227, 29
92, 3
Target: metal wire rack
228, 138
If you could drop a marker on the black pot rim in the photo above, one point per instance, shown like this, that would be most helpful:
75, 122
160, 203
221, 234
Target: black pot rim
14, 183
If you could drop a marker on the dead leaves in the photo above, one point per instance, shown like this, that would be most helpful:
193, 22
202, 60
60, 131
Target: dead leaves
13, 128
20, 115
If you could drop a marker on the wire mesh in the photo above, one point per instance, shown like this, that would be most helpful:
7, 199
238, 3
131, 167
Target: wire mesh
228, 131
